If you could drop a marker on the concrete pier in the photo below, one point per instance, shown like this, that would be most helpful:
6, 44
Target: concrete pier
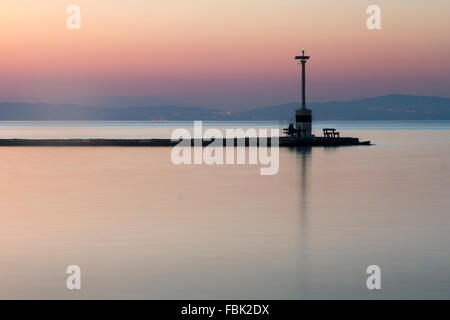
283, 142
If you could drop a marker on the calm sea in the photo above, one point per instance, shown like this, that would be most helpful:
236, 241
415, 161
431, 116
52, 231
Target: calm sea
141, 227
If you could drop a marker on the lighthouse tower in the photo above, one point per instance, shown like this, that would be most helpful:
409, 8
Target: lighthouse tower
303, 116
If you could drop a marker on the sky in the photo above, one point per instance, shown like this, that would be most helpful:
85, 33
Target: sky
229, 54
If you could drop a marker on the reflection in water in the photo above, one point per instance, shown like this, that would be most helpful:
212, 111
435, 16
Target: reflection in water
141, 227
303, 155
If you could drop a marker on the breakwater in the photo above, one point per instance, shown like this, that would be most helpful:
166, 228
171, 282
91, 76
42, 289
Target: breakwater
282, 142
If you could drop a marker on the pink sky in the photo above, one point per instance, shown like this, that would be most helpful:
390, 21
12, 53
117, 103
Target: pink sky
230, 54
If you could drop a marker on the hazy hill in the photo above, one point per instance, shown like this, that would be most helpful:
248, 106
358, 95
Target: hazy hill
128, 101
30, 112
391, 107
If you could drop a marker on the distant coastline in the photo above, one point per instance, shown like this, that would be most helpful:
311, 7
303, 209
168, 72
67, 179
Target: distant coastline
390, 107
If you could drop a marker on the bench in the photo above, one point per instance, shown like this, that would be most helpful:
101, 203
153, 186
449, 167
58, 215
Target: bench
292, 132
330, 133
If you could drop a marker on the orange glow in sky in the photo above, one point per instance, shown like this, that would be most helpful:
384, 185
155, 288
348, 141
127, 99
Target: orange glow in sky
234, 53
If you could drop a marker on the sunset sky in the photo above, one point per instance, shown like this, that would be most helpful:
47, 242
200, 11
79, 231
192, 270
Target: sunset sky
231, 54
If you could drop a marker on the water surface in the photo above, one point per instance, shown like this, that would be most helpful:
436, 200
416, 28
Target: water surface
141, 227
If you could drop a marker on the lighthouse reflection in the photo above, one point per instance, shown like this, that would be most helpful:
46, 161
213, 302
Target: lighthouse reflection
304, 157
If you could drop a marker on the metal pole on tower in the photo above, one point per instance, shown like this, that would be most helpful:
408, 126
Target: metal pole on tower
304, 115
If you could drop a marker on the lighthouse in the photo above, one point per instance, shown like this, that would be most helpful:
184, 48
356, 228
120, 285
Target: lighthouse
303, 116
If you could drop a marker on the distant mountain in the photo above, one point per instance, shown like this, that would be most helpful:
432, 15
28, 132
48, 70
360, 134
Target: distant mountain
128, 101
390, 107
47, 112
